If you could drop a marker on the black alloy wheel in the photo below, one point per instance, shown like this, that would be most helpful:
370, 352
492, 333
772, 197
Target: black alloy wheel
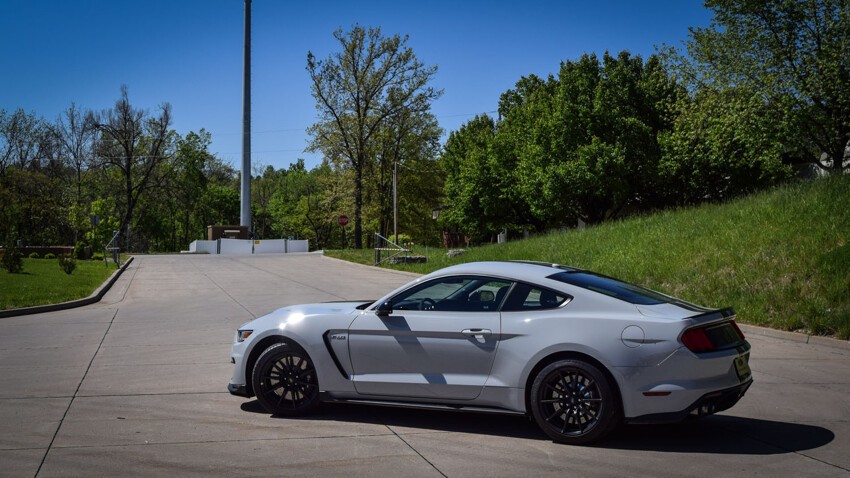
285, 381
573, 402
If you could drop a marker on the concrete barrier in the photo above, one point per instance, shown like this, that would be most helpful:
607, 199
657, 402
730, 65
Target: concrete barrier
270, 246
297, 245
235, 246
244, 246
204, 247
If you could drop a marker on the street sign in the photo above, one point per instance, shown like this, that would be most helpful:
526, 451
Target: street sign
342, 220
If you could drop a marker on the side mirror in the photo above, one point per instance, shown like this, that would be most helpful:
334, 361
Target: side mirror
384, 309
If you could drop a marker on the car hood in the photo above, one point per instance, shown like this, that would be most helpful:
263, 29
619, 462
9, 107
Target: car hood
295, 314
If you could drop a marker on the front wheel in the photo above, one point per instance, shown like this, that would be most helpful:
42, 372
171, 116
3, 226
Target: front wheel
573, 402
285, 381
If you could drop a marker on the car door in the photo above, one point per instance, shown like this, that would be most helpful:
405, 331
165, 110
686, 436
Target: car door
439, 341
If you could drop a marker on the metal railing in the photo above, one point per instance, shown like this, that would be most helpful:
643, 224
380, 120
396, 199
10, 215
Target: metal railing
113, 249
382, 244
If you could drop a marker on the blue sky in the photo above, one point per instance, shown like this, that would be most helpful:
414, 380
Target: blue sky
189, 53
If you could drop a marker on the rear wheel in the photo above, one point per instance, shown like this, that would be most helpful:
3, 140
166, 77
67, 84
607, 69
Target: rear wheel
285, 381
573, 402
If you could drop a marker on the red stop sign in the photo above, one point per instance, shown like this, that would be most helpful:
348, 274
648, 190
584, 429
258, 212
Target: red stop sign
342, 220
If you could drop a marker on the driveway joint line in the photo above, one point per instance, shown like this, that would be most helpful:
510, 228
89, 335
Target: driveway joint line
206, 442
222, 289
71, 402
417, 452
290, 279
163, 394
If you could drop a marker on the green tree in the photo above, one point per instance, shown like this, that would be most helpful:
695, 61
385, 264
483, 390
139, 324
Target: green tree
584, 145
357, 91
477, 188
407, 147
795, 55
264, 183
107, 223
33, 208
721, 146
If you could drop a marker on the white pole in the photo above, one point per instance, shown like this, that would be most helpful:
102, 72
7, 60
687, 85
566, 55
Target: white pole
245, 216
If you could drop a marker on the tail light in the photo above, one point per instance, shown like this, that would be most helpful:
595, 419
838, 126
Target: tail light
711, 337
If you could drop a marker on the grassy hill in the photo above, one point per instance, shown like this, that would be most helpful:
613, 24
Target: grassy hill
781, 258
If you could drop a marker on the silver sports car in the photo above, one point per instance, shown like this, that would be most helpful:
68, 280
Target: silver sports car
578, 351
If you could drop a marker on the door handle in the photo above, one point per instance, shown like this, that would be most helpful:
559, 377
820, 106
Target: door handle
476, 332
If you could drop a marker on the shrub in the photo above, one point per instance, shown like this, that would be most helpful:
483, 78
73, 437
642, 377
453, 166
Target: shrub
82, 250
33, 255
67, 263
97, 256
50, 255
13, 260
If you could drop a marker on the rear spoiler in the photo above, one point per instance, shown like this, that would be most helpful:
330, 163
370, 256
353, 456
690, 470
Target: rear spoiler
716, 314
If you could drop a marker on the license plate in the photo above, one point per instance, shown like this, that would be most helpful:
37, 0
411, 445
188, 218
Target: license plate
742, 367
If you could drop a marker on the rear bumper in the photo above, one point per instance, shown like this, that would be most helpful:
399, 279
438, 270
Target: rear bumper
708, 404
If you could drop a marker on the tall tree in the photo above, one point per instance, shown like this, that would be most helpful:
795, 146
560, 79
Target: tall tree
76, 134
189, 183
409, 144
479, 195
357, 91
135, 145
584, 144
24, 140
795, 54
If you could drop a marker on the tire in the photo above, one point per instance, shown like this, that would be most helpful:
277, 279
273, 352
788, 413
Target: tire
573, 402
285, 381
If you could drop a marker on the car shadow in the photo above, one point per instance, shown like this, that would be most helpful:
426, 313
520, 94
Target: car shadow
718, 434
721, 434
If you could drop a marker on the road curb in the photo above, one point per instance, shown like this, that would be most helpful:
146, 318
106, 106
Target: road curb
94, 297
795, 336
394, 271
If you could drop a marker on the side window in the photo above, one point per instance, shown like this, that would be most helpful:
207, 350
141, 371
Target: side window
488, 296
459, 293
528, 297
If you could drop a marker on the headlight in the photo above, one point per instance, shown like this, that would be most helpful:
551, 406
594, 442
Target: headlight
243, 334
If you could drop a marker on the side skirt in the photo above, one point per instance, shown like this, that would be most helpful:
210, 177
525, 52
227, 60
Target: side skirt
324, 397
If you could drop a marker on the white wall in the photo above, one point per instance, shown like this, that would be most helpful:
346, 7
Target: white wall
201, 247
243, 246
270, 246
297, 246
236, 246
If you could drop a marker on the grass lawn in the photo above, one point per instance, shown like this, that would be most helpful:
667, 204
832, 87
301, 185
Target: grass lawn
781, 258
43, 282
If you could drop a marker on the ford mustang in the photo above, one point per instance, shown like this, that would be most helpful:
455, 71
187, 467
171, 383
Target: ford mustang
577, 351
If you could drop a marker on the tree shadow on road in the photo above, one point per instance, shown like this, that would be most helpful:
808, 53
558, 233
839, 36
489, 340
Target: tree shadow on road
719, 434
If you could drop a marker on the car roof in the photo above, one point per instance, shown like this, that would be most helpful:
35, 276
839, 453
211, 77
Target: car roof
519, 270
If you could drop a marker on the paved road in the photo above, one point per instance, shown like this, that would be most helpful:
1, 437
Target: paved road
135, 385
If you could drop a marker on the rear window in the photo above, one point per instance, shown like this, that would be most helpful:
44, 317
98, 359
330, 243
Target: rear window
611, 287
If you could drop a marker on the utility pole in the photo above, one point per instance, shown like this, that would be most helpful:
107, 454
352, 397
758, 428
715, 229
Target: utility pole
395, 200
245, 216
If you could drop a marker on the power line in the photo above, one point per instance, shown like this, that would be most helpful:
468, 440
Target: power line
290, 130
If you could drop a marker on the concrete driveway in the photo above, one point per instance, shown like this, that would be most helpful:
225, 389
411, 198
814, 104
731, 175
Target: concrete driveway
135, 385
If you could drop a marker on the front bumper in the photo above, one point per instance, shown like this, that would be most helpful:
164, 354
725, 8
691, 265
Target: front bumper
238, 390
708, 404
